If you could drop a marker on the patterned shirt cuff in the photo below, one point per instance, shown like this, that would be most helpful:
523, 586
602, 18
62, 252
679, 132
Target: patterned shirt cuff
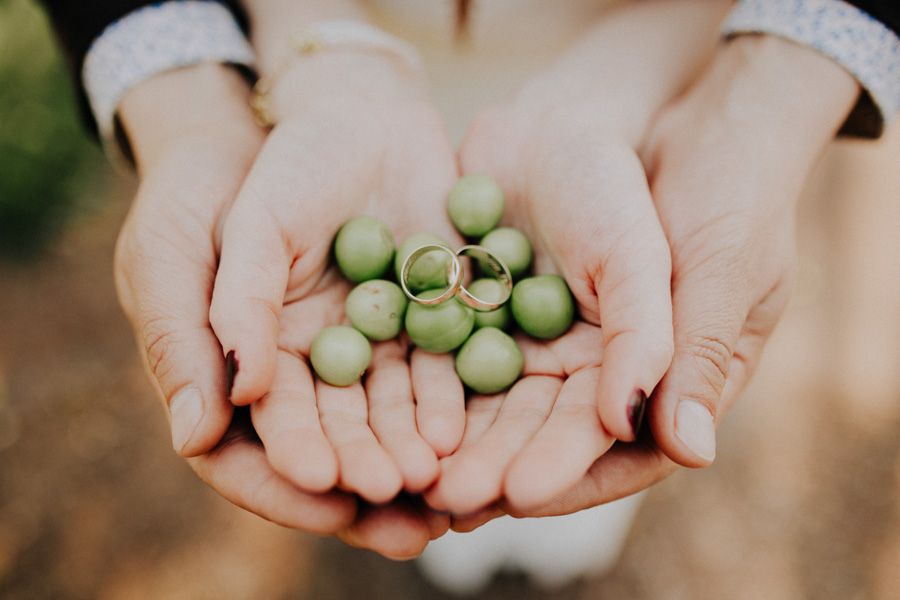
153, 39
861, 44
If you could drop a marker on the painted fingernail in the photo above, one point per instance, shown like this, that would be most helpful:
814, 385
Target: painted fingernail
635, 410
186, 410
231, 369
695, 428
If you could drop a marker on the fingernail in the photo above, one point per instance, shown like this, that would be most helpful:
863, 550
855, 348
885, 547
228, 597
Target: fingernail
694, 427
635, 410
186, 410
231, 369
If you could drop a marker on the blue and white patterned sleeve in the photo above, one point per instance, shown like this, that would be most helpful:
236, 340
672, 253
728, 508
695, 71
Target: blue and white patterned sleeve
154, 39
864, 46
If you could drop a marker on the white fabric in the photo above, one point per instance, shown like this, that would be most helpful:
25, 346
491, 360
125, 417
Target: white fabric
552, 551
153, 39
852, 38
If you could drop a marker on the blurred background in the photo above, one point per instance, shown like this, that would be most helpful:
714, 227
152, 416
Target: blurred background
803, 500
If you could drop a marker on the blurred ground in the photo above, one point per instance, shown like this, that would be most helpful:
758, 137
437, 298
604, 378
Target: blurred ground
802, 502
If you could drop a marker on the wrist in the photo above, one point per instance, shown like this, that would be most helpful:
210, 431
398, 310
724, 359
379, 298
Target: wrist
153, 39
616, 81
337, 80
770, 85
205, 97
274, 22
334, 60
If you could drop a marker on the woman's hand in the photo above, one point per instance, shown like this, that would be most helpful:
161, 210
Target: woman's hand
194, 142
363, 140
726, 164
565, 152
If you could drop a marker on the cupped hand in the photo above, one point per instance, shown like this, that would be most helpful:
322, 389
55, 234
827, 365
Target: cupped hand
534, 441
580, 195
726, 162
192, 160
193, 155
346, 147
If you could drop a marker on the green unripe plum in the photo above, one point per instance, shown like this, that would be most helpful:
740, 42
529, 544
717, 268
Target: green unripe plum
489, 361
376, 308
364, 249
430, 270
439, 328
340, 355
543, 306
512, 247
491, 290
475, 204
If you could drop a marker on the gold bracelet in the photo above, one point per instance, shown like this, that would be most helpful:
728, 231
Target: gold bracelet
332, 34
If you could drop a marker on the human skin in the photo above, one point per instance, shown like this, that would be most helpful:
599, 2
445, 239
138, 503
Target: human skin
208, 174
362, 140
725, 163
165, 295
565, 151
192, 151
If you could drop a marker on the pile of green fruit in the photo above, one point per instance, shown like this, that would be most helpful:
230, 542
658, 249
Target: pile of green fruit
488, 359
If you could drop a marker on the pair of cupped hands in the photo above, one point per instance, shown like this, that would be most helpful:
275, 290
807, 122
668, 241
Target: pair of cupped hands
670, 217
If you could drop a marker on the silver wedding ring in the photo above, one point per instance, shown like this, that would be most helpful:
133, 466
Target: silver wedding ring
455, 275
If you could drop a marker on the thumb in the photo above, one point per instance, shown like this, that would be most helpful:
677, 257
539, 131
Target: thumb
709, 307
632, 284
169, 308
249, 293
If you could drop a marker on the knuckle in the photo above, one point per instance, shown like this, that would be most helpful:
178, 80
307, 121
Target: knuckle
703, 251
160, 344
711, 357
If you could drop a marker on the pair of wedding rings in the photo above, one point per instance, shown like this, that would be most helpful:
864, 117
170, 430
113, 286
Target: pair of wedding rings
456, 274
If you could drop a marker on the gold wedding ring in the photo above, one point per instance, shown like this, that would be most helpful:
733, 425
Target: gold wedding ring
497, 267
455, 275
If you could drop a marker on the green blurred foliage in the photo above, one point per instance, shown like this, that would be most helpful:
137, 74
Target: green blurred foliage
47, 159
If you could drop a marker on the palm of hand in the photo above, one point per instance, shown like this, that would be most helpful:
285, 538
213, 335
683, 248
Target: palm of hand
276, 289
165, 268
584, 203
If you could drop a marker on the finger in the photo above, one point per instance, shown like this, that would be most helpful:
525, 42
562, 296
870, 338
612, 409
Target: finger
625, 469
187, 366
628, 468
748, 350
440, 400
239, 470
366, 467
563, 449
634, 302
709, 311
474, 478
287, 421
472, 522
249, 293
392, 416
481, 412
396, 531
164, 286
438, 524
